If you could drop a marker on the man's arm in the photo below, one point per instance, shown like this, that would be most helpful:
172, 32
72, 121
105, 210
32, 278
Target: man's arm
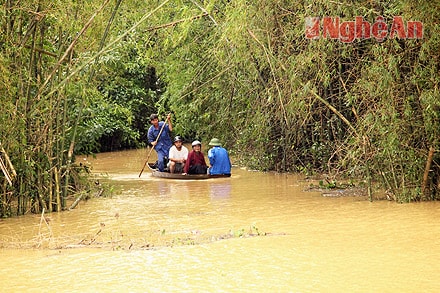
170, 124
150, 136
211, 156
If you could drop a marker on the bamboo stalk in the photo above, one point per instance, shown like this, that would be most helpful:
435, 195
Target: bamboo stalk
39, 50
40, 184
57, 189
8, 160
387, 183
68, 165
393, 172
370, 192
103, 50
173, 23
104, 37
274, 77
426, 173
72, 44
73, 140
76, 202
49, 206
5, 171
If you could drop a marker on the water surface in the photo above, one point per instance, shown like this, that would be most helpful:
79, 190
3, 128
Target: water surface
253, 232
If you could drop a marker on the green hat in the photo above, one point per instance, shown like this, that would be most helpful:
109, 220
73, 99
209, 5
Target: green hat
215, 142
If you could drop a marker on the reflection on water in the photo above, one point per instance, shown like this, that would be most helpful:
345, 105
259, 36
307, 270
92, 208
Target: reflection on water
220, 190
253, 232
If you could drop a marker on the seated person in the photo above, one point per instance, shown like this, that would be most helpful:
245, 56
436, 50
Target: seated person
218, 159
177, 156
195, 164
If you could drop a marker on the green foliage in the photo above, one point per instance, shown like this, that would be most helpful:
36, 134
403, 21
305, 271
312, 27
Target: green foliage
105, 127
129, 81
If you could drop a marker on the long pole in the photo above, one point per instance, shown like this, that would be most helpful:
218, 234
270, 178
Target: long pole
151, 150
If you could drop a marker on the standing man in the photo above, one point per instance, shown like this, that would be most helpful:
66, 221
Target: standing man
178, 155
162, 143
218, 159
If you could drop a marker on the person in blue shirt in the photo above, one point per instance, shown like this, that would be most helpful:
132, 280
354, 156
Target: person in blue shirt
163, 144
218, 159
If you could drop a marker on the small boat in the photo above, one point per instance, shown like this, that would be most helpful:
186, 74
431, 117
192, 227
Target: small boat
159, 174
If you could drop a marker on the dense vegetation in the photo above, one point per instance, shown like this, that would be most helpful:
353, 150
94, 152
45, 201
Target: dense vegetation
83, 77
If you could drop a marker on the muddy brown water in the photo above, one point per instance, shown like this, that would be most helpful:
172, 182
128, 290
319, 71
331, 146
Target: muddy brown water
253, 232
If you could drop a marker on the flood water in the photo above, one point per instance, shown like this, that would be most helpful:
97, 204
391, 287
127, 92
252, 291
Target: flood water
253, 232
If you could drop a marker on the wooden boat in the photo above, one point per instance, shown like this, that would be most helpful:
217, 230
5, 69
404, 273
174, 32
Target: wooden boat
156, 173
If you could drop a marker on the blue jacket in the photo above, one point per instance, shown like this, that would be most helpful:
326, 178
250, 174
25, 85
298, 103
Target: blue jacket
164, 143
219, 161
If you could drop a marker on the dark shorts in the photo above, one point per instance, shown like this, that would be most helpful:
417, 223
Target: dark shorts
178, 167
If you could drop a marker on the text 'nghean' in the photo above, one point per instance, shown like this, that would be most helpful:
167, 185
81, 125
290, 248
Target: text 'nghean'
348, 31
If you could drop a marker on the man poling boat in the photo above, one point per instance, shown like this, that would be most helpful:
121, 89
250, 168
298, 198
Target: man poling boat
159, 138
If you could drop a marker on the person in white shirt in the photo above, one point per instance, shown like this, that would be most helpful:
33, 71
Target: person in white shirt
177, 156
